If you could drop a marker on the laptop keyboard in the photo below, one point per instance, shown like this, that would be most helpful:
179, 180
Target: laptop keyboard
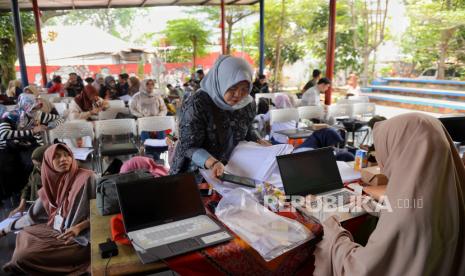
175, 231
345, 195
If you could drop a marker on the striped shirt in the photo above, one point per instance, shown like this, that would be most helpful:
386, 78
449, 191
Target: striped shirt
8, 129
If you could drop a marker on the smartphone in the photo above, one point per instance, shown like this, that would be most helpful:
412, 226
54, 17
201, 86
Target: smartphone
241, 180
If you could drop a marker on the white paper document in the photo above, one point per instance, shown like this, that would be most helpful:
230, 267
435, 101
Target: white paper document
155, 142
348, 174
81, 153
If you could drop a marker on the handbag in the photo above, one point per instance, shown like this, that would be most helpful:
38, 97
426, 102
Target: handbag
22, 143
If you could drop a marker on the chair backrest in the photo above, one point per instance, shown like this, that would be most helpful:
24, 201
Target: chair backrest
340, 110
115, 127
364, 109
156, 123
310, 112
72, 130
111, 113
116, 103
61, 108
284, 115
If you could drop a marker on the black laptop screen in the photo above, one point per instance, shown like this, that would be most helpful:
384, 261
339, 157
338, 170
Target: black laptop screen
156, 201
309, 172
455, 125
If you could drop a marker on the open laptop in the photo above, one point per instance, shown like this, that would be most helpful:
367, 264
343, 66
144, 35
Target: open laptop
165, 217
315, 172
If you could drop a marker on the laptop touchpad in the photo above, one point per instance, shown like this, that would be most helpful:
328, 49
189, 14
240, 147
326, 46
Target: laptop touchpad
184, 245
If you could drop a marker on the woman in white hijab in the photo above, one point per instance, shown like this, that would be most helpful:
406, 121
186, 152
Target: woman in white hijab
216, 118
147, 102
424, 234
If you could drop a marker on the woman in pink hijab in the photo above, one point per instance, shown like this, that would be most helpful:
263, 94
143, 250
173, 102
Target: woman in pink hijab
424, 234
142, 162
54, 236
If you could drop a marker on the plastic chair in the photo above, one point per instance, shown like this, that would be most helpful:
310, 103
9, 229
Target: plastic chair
340, 110
359, 99
73, 130
156, 123
364, 109
116, 104
310, 112
284, 115
113, 128
111, 113
264, 95
61, 108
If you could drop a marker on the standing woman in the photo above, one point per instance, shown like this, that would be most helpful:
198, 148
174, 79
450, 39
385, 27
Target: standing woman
424, 233
216, 118
54, 236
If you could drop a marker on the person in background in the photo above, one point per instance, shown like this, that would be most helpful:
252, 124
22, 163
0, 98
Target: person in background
122, 86
47, 106
54, 237
260, 86
99, 82
216, 118
57, 86
316, 76
144, 163
14, 89
147, 102
419, 158
89, 81
281, 101
134, 85
86, 104
199, 75
108, 91
29, 193
312, 95
173, 93
74, 85
326, 137
50, 82
353, 89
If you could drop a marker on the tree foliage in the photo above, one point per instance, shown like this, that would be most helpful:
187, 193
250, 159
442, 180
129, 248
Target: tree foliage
436, 33
117, 22
190, 38
8, 43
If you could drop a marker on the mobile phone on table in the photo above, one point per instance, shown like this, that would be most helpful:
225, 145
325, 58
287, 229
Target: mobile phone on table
241, 180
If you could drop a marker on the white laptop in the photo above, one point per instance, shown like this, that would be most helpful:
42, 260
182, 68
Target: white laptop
314, 175
165, 217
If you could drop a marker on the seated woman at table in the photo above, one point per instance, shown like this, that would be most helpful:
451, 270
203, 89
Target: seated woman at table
417, 155
147, 102
216, 118
326, 137
144, 163
86, 104
55, 232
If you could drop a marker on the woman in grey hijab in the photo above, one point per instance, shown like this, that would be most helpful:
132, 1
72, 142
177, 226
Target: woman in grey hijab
108, 91
216, 118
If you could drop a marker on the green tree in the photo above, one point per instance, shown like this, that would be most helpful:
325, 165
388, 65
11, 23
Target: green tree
436, 33
117, 22
8, 44
190, 38
233, 15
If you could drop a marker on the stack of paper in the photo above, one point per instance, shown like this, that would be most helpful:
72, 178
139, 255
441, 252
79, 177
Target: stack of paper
81, 153
348, 174
256, 161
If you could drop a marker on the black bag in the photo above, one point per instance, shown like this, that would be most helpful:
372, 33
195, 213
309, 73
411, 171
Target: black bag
23, 143
107, 197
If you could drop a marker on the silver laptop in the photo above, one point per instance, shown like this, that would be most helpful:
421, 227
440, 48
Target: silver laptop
314, 175
165, 217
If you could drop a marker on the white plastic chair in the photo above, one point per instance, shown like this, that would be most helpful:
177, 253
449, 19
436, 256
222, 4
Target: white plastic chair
116, 104
61, 108
310, 112
111, 113
116, 127
284, 115
359, 99
156, 123
340, 110
364, 109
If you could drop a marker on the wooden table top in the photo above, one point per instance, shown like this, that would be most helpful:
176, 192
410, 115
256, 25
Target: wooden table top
126, 262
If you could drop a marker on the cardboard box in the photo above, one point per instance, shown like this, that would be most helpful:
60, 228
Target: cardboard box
373, 176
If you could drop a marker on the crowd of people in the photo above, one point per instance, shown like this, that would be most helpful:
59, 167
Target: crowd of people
215, 112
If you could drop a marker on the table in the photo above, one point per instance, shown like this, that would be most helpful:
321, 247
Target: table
296, 136
126, 262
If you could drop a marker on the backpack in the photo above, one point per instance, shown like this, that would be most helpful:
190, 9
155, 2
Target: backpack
107, 197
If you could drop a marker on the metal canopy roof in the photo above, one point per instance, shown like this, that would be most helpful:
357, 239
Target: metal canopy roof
5, 5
